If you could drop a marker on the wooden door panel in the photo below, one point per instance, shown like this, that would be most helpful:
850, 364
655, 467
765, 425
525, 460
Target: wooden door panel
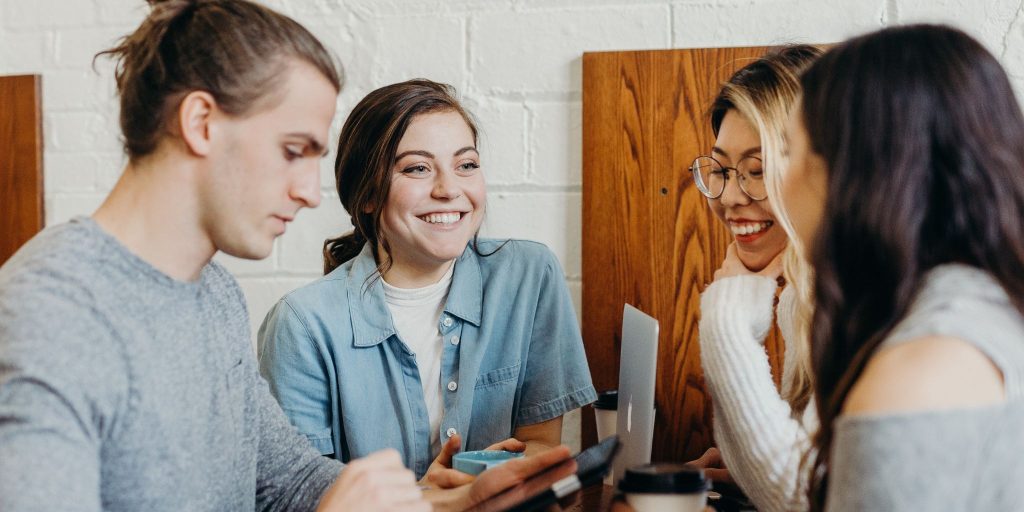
21, 162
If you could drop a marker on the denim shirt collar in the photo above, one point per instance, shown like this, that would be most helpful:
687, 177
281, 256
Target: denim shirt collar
371, 319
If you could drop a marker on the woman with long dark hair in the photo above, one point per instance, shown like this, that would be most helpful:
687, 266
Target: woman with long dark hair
421, 336
906, 186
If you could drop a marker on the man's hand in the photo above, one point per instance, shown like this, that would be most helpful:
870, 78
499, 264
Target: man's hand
440, 473
376, 482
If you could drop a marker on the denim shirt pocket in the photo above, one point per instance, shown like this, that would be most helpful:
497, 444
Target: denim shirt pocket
498, 377
493, 399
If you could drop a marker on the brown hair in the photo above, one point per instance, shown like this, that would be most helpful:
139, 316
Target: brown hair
367, 148
233, 49
921, 134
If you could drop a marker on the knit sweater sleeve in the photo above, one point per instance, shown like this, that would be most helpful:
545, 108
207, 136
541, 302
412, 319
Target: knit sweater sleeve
761, 443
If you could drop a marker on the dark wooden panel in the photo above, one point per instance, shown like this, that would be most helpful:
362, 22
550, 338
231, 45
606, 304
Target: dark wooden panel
21, 162
649, 238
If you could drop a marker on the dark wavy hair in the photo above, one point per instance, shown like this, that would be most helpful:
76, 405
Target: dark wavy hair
367, 148
924, 144
234, 49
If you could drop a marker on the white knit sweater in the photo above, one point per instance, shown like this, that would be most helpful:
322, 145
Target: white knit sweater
760, 441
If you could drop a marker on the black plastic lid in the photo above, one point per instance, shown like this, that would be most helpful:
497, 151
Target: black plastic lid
608, 400
664, 478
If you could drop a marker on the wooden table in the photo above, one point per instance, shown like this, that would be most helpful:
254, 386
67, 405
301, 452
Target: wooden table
593, 499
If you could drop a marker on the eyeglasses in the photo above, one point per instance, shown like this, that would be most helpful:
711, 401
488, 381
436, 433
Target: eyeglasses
711, 176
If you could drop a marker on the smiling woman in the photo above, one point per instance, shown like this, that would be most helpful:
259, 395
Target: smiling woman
421, 336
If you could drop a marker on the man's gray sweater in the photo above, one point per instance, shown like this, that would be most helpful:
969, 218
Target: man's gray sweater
124, 389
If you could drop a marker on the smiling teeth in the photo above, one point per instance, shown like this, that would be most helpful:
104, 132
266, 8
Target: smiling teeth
442, 218
749, 228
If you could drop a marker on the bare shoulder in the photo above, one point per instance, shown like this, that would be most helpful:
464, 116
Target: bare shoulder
928, 373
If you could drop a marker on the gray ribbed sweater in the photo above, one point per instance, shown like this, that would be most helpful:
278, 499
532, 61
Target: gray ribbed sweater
124, 389
962, 459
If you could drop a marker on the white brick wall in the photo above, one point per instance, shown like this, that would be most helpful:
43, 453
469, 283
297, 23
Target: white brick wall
516, 62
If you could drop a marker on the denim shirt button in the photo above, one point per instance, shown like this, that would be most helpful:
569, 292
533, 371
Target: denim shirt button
447, 321
451, 431
455, 340
452, 386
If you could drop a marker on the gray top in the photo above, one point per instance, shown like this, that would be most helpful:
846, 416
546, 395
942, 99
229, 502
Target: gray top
963, 459
124, 389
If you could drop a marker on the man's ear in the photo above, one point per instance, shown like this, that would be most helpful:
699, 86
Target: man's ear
194, 115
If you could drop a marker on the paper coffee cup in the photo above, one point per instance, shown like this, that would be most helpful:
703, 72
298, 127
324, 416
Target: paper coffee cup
665, 488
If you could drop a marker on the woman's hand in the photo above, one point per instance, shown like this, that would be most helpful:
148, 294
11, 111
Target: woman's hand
732, 266
440, 473
378, 481
501, 478
713, 465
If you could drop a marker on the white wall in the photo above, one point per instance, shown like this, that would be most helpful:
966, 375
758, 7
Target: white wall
516, 62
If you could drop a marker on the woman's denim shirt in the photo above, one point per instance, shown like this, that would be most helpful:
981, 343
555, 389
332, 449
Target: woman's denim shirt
512, 356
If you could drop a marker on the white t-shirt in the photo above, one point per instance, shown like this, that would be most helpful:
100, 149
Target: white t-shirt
416, 313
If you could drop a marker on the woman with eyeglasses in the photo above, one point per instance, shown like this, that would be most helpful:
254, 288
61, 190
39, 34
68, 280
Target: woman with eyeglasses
761, 434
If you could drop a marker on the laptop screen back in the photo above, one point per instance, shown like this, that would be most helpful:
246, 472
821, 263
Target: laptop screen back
637, 371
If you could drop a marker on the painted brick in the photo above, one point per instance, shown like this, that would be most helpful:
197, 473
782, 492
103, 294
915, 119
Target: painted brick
111, 163
502, 144
79, 89
986, 21
47, 14
70, 172
768, 22
401, 8
402, 48
25, 52
1013, 56
126, 14
523, 52
61, 207
80, 131
571, 430
245, 268
77, 47
301, 247
552, 218
261, 293
556, 144
576, 292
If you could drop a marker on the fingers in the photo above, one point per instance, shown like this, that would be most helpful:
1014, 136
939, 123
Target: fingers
712, 458
528, 466
718, 474
708, 459
510, 445
449, 478
731, 265
448, 450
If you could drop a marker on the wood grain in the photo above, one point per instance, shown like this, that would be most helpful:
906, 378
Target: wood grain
649, 238
21, 162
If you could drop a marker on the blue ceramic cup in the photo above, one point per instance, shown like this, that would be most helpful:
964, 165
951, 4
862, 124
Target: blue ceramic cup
478, 461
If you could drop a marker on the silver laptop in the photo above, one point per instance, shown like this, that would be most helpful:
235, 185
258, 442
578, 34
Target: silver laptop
637, 369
